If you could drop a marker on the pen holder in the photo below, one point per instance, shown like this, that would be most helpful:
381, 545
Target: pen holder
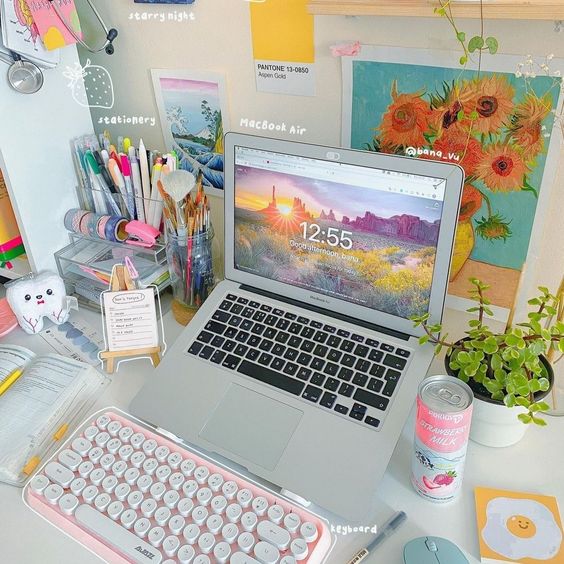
190, 265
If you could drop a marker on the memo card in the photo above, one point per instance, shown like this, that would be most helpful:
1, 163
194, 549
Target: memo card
131, 319
518, 527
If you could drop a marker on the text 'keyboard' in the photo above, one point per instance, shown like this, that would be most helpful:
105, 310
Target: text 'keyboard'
350, 374
146, 499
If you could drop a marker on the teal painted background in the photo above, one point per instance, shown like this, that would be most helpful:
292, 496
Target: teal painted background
372, 83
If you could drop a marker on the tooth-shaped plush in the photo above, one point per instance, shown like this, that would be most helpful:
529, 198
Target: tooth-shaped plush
35, 297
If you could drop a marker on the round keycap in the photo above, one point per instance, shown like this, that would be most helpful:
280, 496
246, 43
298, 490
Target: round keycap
102, 501
109, 483
275, 513
136, 440
218, 504
162, 515
288, 560
163, 473
135, 499
125, 434
187, 467
157, 490
89, 493
122, 491
229, 489
141, 527
176, 480
94, 454
113, 428
125, 452
249, 521
201, 474
81, 445
190, 488
191, 533
215, 481
176, 524
148, 508
39, 483
199, 515
137, 459
115, 509
128, 517
185, 554
107, 461
77, 485
234, 512
161, 453
230, 532
309, 532
119, 468
246, 541
214, 523
149, 446
292, 522
91, 432
68, 503
85, 468
171, 545
260, 505
102, 438
156, 536
244, 497
299, 549
266, 553
204, 496
202, 559
185, 505
206, 542
222, 552
171, 498
174, 459
102, 421
52, 493
144, 482
113, 446
150, 465
131, 475
97, 475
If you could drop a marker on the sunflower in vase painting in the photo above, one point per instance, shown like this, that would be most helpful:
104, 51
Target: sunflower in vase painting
481, 123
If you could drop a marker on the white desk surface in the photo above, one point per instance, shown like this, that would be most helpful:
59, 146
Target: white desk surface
536, 464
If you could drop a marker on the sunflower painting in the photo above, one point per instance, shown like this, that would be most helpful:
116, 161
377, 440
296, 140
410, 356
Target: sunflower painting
493, 124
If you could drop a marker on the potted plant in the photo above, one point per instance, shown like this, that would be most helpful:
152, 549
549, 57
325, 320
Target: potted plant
507, 371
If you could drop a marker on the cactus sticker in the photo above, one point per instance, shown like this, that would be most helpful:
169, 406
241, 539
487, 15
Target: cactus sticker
91, 85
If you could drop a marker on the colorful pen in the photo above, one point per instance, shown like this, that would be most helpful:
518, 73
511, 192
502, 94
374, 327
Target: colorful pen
12, 377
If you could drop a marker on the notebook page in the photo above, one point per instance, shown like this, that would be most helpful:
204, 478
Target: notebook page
13, 357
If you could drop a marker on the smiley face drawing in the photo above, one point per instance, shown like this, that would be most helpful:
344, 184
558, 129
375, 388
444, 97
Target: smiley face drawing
521, 528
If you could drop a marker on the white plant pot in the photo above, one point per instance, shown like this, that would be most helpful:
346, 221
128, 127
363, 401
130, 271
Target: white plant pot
496, 425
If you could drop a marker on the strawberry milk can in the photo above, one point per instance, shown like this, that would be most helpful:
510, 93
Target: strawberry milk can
444, 413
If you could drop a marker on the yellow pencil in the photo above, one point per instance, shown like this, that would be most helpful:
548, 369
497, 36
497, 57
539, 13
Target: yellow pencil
10, 380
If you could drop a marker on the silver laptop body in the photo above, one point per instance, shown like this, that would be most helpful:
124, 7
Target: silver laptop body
280, 199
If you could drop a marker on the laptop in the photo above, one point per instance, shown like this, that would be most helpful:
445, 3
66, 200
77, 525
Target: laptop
303, 364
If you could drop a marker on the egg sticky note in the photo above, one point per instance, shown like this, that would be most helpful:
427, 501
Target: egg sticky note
518, 527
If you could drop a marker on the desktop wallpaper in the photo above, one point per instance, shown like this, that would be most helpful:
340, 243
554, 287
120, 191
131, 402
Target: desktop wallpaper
369, 247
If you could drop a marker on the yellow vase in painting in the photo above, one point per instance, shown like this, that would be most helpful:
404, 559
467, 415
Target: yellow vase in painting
463, 245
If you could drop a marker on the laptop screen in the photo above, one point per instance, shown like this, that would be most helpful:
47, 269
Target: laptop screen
363, 235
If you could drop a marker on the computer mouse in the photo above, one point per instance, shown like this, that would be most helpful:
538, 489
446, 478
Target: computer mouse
432, 550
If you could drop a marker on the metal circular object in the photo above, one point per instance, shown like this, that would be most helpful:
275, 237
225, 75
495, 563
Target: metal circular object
25, 77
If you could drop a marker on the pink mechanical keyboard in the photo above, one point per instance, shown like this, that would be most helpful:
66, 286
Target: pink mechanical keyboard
130, 494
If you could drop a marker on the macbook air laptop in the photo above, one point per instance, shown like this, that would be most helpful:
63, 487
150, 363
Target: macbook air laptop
303, 364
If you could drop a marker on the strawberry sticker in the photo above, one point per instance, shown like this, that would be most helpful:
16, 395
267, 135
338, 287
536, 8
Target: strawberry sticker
91, 86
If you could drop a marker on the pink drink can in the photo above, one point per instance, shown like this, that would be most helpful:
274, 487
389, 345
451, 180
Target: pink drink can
444, 414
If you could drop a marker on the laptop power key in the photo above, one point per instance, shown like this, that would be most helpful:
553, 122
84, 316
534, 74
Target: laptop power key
263, 374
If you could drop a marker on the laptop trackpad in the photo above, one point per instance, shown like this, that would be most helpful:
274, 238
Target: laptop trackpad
252, 426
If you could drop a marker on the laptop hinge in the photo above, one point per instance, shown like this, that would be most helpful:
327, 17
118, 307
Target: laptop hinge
335, 315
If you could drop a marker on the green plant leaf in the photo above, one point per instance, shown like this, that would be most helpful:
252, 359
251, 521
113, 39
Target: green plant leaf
490, 345
423, 339
460, 115
543, 406
525, 418
474, 115
538, 421
492, 44
461, 36
475, 43
523, 402
463, 60
544, 384
509, 400
534, 386
438, 349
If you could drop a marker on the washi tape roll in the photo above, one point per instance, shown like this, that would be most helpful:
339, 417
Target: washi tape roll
101, 228
92, 224
115, 229
83, 225
73, 218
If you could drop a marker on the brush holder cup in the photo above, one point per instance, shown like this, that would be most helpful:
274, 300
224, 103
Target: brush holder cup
192, 276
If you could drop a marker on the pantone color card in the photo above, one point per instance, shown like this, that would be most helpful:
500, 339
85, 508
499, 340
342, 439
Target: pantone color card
131, 320
283, 47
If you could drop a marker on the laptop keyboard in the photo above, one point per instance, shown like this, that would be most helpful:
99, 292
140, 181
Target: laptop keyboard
348, 373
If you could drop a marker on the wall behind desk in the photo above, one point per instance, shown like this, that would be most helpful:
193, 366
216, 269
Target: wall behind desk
219, 40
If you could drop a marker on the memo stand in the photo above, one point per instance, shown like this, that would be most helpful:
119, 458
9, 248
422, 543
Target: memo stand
129, 319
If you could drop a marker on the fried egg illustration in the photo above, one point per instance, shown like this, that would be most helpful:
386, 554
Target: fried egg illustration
521, 528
